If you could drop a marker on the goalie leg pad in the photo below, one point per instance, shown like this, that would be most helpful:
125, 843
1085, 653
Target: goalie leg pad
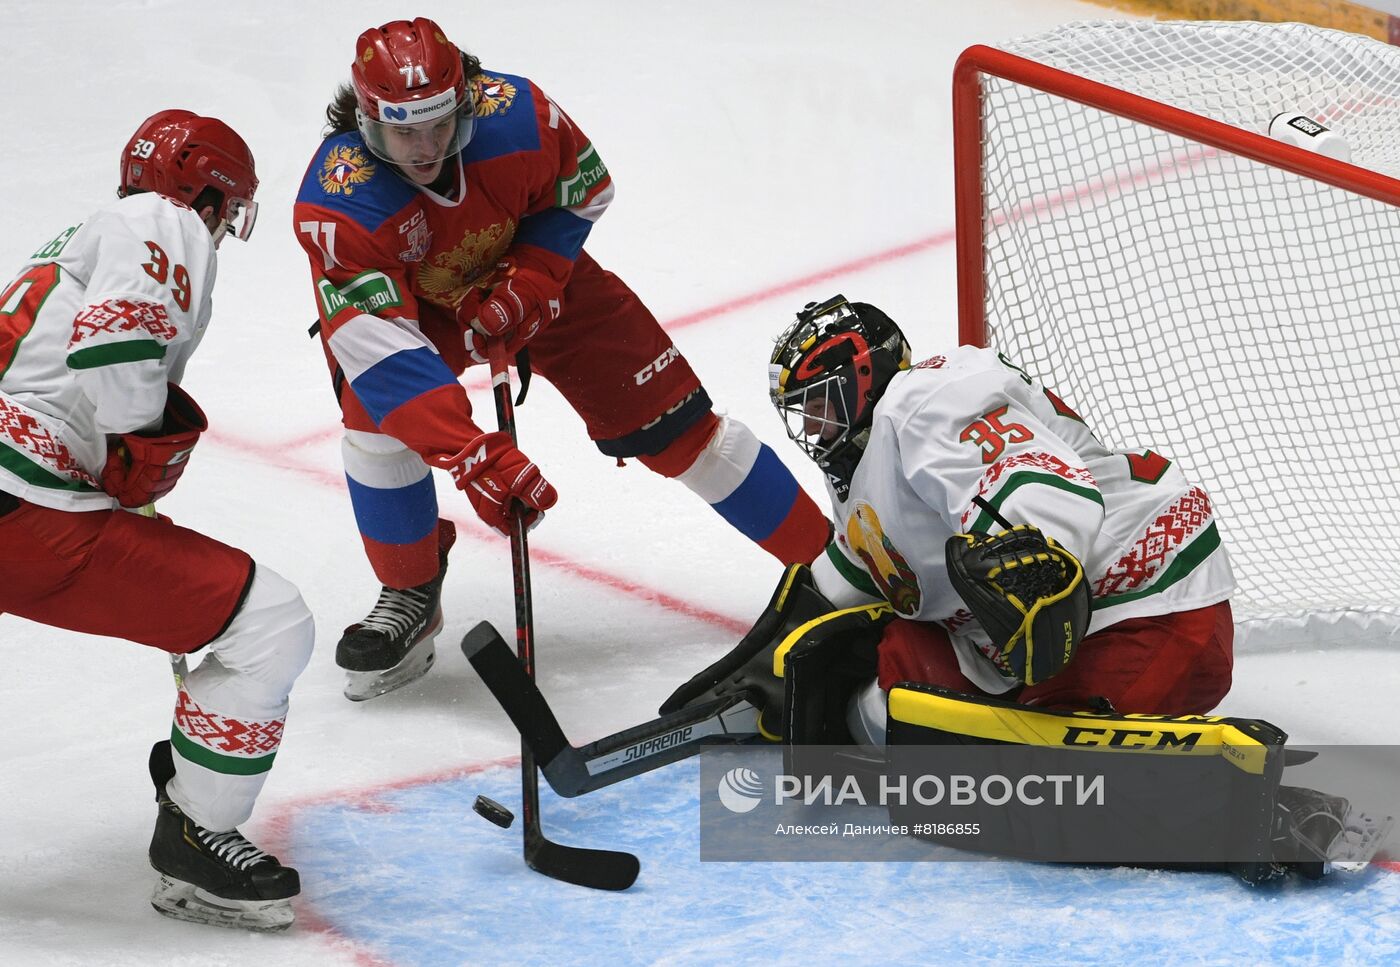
1177, 790
1190, 791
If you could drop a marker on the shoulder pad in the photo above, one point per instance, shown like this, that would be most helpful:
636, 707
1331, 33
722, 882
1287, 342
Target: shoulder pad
346, 178
170, 223
506, 121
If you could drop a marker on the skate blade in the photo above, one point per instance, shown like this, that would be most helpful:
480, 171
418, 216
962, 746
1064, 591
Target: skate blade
1356, 847
185, 901
363, 686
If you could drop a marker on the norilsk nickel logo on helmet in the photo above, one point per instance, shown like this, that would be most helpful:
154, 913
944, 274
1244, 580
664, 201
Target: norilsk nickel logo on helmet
412, 112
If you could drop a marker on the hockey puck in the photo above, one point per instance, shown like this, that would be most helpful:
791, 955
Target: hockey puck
494, 811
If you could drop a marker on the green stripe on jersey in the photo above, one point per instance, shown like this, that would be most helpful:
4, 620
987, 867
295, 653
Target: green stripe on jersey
117, 352
1019, 479
1186, 561
37, 474
854, 576
227, 764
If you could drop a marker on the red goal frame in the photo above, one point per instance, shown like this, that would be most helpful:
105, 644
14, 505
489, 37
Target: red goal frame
978, 60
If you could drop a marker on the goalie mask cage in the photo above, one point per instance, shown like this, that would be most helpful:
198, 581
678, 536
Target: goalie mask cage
1129, 233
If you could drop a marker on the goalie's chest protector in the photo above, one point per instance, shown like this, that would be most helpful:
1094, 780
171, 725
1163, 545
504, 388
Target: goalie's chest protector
970, 424
895, 519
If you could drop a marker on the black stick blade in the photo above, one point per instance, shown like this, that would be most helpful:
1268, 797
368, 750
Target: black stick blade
597, 869
515, 691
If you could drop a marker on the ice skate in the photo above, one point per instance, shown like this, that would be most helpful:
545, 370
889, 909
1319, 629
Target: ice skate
1324, 835
393, 645
214, 878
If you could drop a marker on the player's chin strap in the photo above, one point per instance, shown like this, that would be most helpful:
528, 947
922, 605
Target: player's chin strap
1195, 791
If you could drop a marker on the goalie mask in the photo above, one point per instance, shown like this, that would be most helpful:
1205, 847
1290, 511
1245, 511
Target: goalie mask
827, 371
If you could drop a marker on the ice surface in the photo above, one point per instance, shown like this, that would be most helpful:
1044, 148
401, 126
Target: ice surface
765, 155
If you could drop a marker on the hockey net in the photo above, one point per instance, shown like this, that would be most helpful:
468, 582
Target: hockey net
1129, 234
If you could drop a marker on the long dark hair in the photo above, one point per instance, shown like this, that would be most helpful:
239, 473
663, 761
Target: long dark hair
340, 112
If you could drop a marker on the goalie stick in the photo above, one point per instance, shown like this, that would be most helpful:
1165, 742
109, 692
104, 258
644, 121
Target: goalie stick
575, 770
594, 868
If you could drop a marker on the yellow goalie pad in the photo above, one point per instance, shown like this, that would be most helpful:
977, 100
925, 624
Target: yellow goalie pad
929, 715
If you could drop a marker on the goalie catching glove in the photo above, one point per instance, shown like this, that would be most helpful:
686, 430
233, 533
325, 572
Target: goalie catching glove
1029, 595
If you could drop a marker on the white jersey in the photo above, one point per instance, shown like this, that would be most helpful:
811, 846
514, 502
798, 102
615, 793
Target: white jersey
969, 424
91, 330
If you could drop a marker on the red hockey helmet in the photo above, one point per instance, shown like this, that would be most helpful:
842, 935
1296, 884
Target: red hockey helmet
179, 154
413, 102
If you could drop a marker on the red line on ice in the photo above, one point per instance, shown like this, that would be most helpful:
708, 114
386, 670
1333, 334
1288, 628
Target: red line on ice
277, 454
280, 823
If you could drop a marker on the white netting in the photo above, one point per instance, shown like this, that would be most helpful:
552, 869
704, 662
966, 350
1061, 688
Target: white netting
1236, 317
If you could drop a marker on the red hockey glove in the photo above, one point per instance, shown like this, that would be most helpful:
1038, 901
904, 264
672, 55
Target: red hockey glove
493, 473
521, 304
142, 468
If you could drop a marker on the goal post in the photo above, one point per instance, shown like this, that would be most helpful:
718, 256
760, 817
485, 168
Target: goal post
1128, 232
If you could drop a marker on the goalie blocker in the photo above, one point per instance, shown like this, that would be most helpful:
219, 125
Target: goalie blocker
799, 665
803, 659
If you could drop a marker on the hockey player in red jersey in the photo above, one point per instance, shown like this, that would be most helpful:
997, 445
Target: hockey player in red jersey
95, 334
449, 205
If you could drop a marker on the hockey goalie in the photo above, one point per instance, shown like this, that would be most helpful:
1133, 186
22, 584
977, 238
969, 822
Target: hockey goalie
996, 575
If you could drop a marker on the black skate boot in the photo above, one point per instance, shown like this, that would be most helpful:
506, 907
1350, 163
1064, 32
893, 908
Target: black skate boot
214, 878
393, 644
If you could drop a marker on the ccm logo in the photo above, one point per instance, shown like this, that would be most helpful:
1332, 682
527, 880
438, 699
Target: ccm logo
657, 365
1155, 739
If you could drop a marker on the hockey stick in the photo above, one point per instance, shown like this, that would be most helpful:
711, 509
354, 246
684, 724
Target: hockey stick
575, 770
595, 868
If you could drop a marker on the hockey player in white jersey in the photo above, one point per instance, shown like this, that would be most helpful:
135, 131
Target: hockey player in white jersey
963, 443
999, 575
95, 333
